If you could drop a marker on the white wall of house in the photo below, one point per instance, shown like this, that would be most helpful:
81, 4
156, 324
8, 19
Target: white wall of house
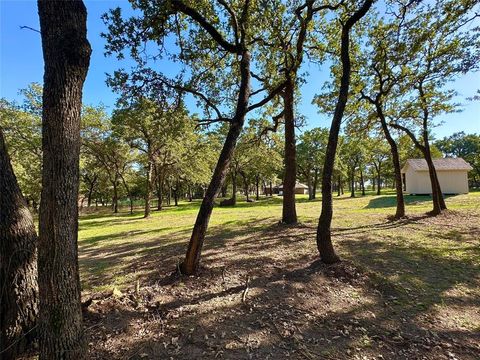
451, 181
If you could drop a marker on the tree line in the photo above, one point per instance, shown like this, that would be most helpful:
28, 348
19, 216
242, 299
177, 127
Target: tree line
242, 61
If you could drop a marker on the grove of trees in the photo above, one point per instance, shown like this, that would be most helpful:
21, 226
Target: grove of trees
241, 62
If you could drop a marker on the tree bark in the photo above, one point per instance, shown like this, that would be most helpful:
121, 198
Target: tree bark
148, 188
91, 187
234, 187
160, 191
362, 182
400, 212
379, 183
315, 184
18, 264
309, 185
352, 184
115, 196
289, 212
192, 258
257, 186
437, 195
175, 192
324, 240
66, 53
339, 185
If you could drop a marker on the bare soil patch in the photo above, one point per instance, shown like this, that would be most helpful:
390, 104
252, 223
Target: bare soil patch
262, 294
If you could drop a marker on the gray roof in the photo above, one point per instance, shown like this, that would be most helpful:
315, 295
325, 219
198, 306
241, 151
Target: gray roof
297, 186
440, 164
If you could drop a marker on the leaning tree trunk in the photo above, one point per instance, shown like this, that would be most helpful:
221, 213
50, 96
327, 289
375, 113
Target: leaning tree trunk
289, 212
400, 212
192, 258
66, 54
91, 187
324, 239
437, 196
441, 199
18, 264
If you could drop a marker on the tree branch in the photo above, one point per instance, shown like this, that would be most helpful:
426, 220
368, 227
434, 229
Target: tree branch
407, 131
207, 26
269, 97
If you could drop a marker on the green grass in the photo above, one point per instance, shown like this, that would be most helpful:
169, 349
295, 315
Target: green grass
409, 255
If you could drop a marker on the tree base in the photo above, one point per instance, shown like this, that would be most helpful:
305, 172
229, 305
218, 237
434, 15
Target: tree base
331, 259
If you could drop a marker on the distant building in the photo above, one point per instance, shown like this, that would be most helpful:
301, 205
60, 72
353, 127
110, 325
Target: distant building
299, 189
452, 174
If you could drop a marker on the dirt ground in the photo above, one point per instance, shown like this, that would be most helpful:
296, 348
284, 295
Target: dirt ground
262, 294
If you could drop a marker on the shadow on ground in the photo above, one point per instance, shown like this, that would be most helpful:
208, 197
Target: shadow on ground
261, 294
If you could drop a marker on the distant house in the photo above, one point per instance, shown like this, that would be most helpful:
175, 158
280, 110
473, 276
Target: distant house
299, 189
452, 174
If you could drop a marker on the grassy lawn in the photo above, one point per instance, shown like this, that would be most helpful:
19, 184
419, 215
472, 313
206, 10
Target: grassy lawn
409, 286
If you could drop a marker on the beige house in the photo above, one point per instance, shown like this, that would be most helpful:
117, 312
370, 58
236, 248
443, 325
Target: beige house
299, 189
452, 174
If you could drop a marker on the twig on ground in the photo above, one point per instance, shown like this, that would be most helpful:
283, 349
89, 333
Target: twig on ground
245, 291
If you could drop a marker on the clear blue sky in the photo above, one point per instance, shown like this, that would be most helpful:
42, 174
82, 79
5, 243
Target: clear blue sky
21, 63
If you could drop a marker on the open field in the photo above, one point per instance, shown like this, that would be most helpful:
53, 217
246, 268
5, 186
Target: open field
407, 289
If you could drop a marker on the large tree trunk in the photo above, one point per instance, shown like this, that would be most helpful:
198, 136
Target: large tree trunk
289, 213
66, 53
324, 240
192, 258
257, 187
18, 264
400, 212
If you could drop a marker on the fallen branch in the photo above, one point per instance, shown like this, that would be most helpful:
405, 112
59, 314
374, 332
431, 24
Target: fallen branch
245, 291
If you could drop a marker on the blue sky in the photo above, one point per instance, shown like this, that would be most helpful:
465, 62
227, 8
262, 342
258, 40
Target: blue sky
21, 63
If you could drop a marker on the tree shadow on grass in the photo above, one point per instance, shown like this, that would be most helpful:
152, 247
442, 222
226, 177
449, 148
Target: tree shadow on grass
293, 309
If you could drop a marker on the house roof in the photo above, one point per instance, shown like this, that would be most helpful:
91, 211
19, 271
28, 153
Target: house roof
440, 164
297, 186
